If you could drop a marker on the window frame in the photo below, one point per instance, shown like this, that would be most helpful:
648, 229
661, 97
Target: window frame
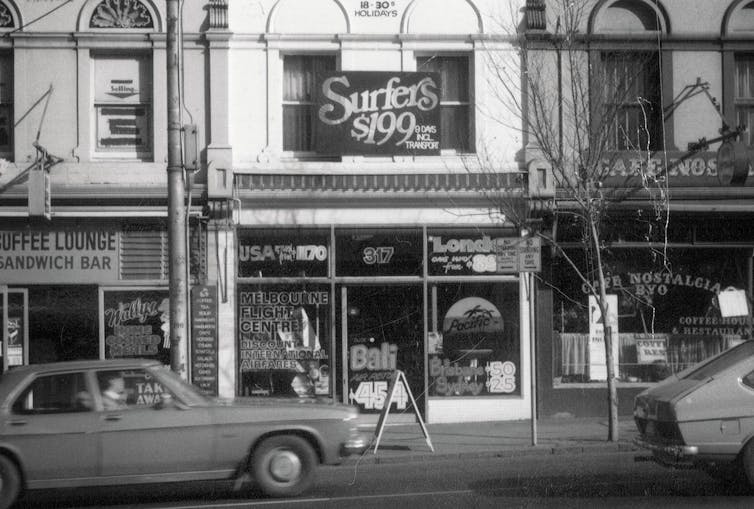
628, 107
19, 405
6, 103
311, 103
420, 60
743, 103
144, 152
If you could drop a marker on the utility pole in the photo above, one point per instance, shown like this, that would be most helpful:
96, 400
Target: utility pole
176, 205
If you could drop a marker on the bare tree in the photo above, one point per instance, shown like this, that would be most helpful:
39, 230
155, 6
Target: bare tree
575, 118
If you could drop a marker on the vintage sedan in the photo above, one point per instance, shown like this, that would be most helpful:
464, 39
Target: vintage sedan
703, 417
94, 423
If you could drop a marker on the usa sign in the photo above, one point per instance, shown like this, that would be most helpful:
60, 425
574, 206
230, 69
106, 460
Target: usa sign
378, 113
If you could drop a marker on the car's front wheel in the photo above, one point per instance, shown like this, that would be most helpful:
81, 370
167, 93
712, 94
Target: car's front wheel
10, 482
284, 465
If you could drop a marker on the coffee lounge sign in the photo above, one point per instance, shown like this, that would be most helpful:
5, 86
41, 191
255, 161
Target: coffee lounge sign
379, 113
49, 256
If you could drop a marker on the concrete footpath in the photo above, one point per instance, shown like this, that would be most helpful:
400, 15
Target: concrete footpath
401, 442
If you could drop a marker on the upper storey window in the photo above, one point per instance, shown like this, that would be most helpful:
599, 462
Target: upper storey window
630, 87
744, 93
299, 99
6, 106
123, 106
455, 103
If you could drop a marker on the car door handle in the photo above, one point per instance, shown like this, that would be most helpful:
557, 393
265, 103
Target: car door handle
18, 423
113, 417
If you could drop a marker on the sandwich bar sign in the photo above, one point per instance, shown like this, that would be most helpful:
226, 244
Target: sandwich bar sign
378, 113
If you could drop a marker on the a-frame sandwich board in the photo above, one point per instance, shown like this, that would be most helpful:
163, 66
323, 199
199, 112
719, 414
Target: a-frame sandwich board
399, 376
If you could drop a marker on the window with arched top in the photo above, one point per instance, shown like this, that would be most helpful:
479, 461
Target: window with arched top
8, 22
628, 77
739, 24
6, 17
121, 14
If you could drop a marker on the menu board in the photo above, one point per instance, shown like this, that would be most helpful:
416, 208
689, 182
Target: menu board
204, 338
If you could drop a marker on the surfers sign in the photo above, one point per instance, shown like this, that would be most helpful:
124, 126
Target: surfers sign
382, 113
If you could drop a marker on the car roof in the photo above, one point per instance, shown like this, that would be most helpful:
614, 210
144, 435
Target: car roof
84, 364
11, 378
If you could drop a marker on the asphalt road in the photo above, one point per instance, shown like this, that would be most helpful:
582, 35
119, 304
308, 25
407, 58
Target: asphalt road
583, 480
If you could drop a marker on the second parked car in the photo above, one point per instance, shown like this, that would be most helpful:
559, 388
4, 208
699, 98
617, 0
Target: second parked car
703, 417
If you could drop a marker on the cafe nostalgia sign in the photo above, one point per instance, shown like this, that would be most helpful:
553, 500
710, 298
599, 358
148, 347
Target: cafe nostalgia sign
378, 113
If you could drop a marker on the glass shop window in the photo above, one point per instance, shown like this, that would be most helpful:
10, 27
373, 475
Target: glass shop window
283, 253
379, 252
283, 340
473, 345
668, 311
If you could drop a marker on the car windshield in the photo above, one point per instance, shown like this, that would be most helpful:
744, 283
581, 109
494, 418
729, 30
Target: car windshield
183, 390
722, 361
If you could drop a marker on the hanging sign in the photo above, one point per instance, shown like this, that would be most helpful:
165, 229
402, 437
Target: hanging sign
383, 113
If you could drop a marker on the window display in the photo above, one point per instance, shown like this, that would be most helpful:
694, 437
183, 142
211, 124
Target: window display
474, 348
137, 323
284, 340
286, 253
669, 315
385, 333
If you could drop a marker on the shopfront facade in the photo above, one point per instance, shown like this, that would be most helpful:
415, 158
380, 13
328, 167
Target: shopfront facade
677, 241
335, 312
351, 233
83, 195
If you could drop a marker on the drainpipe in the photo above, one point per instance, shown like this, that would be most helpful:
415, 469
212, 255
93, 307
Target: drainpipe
176, 206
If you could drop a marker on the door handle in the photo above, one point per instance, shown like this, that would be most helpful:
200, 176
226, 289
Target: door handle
113, 417
18, 423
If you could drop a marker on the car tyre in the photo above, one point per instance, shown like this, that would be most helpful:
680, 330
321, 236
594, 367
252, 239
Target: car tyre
10, 482
284, 466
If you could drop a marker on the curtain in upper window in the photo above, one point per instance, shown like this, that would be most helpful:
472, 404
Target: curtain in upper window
631, 107
299, 99
455, 103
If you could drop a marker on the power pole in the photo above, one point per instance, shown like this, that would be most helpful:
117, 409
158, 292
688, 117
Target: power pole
176, 205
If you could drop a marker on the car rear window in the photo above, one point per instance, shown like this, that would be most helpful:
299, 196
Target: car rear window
722, 362
54, 394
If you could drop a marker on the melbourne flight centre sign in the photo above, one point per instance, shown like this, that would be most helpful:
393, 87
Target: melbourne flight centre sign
52, 256
378, 113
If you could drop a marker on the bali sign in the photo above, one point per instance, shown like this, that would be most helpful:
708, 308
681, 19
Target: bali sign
365, 113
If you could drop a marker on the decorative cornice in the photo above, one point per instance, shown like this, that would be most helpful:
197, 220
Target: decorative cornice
412, 183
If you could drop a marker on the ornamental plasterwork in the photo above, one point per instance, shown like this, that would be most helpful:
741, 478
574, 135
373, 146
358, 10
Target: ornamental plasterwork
121, 14
6, 18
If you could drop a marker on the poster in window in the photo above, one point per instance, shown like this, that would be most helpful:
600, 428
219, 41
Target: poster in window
385, 334
15, 341
282, 349
379, 253
137, 324
477, 351
293, 253
378, 113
